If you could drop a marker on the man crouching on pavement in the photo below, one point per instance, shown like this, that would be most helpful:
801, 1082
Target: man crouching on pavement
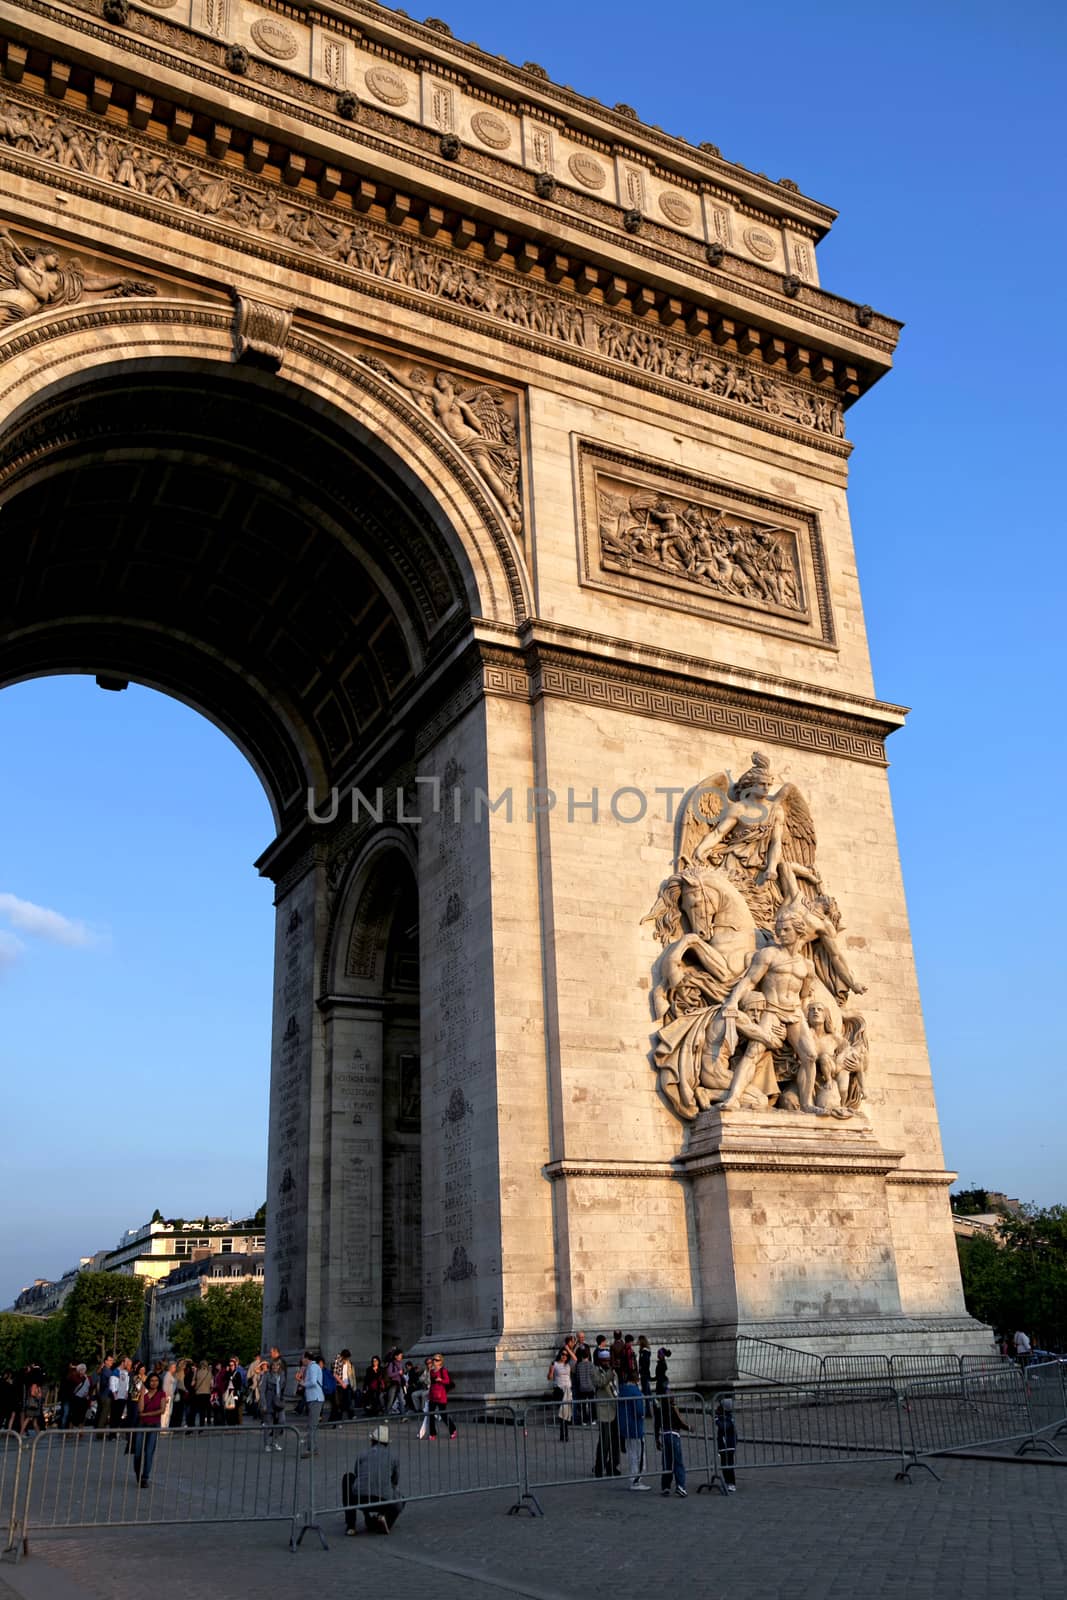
373, 1484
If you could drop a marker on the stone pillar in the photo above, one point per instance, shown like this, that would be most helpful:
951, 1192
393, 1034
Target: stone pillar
351, 1293
793, 1235
291, 1282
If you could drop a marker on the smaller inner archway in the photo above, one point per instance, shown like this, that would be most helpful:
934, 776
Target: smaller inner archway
374, 1105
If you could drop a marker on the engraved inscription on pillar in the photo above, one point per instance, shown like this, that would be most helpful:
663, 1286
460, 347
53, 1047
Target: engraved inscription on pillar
286, 1199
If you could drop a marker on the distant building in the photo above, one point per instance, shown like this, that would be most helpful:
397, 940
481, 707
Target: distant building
151, 1251
154, 1249
170, 1296
985, 1226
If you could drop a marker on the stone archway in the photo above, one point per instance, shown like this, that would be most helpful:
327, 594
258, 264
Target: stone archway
371, 1018
239, 542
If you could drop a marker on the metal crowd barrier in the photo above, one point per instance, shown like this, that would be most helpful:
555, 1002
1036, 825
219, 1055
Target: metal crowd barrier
970, 1412
484, 1454
777, 1363
907, 1367
84, 1478
1046, 1392
12, 1452
582, 1442
808, 1425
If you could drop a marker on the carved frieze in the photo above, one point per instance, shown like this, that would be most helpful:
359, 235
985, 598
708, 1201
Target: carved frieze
151, 170
666, 536
34, 277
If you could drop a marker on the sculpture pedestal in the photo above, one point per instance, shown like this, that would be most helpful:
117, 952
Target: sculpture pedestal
795, 1240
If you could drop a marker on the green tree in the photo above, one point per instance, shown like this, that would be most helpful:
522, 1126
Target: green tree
226, 1322
970, 1202
104, 1312
1019, 1279
24, 1339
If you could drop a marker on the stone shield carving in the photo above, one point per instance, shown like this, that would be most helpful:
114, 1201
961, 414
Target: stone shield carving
275, 39
389, 87
587, 170
491, 130
676, 209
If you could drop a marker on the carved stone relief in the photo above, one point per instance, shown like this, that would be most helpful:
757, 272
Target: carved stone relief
491, 130
753, 995
587, 170
682, 541
34, 277
275, 39
761, 243
388, 87
676, 209
211, 190
660, 534
480, 419
334, 65
261, 331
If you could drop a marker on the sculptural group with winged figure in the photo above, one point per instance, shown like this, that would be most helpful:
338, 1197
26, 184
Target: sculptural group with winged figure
752, 993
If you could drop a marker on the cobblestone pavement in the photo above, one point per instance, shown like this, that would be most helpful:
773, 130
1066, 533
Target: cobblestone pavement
989, 1531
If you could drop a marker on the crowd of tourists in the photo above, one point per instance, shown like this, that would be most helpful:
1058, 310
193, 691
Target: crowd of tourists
125, 1393
612, 1387
619, 1389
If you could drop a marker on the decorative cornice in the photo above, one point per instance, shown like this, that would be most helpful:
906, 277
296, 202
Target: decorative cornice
557, 1171
933, 1179
837, 318
873, 1164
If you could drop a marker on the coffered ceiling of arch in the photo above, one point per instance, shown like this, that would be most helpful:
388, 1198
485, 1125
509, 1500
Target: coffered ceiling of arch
230, 549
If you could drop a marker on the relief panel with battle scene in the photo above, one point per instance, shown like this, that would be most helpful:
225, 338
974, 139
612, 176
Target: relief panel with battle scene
663, 535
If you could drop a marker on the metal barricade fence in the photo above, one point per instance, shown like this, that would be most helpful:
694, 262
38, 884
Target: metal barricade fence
1046, 1391
807, 1425
12, 1452
971, 1411
904, 1368
777, 1363
585, 1442
85, 1478
469, 1451
993, 1362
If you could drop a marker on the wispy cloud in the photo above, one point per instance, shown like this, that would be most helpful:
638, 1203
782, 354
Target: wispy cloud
40, 922
10, 949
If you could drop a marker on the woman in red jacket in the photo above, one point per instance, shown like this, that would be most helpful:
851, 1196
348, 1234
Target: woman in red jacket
440, 1384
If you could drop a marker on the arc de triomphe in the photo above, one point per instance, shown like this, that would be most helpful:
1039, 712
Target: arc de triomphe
474, 455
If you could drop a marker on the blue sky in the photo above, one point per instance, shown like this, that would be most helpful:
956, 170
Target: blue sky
134, 1049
